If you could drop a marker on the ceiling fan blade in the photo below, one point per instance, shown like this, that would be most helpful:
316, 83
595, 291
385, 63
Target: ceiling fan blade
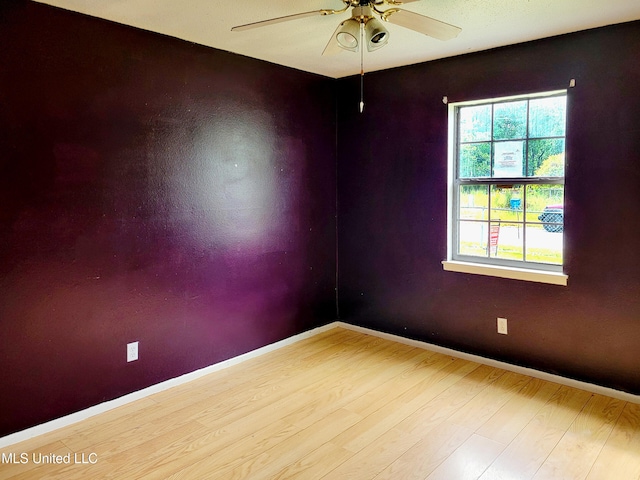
422, 24
333, 47
286, 18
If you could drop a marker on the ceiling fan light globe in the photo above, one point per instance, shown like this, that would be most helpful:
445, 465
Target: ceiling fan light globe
376, 35
347, 35
380, 37
347, 41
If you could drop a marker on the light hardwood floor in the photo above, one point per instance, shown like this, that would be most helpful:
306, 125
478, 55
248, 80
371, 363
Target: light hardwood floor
345, 405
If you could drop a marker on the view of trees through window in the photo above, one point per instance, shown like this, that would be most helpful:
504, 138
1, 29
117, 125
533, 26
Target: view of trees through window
509, 179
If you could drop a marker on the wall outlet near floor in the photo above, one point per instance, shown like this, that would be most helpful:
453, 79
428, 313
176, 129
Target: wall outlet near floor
502, 326
132, 351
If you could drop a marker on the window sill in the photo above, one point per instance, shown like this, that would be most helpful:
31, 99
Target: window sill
554, 278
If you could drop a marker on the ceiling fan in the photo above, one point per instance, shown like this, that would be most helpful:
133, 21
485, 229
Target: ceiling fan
365, 25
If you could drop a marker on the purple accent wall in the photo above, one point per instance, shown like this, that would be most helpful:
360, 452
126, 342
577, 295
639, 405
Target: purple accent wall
151, 190
392, 180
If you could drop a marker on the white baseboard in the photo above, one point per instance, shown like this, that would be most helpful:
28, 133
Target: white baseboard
188, 377
589, 387
158, 387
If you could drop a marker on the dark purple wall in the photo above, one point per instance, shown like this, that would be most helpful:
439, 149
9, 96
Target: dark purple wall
156, 191
392, 180
153, 190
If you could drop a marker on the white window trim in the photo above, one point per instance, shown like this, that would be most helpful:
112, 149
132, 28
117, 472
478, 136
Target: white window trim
527, 274
450, 265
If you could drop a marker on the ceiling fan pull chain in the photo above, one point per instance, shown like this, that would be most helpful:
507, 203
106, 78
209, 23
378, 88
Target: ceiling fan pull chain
361, 66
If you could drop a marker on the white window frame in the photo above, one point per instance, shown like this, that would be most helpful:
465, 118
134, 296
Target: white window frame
508, 269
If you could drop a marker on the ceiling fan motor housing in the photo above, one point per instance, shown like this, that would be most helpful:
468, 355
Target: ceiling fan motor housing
363, 3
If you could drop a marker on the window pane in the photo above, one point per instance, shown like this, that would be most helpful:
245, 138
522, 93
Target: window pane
475, 123
472, 238
507, 241
546, 158
545, 204
475, 160
474, 202
506, 203
543, 246
547, 117
510, 120
508, 159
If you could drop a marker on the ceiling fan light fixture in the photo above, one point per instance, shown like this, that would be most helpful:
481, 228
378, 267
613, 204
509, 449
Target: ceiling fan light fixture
376, 35
347, 36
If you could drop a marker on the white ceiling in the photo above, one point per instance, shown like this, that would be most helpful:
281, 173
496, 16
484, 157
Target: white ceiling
299, 43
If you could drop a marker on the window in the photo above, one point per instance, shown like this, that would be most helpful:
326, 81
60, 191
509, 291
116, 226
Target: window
506, 198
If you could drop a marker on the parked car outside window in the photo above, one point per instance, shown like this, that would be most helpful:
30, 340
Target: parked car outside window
552, 218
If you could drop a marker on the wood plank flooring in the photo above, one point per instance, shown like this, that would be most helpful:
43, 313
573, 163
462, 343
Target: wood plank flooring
345, 405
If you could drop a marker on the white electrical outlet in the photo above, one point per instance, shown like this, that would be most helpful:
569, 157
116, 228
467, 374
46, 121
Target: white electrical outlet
132, 351
502, 326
